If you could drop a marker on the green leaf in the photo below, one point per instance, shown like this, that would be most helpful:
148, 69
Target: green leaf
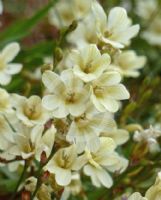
22, 28
7, 185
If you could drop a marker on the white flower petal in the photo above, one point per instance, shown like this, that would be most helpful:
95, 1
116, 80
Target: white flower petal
63, 176
90, 171
80, 162
61, 111
71, 81
13, 68
99, 13
117, 17
36, 134
137, 196
120, 136
104, 178
93, 142
107, 144
50, 102
115, 44
97, 103
128, 34
89, 53
10, 51
110, 104
118, 92
52, 81
109, 79
5, 79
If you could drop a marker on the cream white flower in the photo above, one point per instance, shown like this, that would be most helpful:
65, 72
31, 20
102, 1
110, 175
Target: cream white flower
149, 11
84, 131
7, 69
64, 12
107, 91
105, 158
44, 192
137, 196
63, 162
85, 33
149, 136
73, 188
5, 102
30, 142
154, 192
30, 110
6, 137
88, 63
146, 8
119, 30
6, 133
67, 94
45, 143
120, 136
153, 33
1, 7
116, 30
128, 63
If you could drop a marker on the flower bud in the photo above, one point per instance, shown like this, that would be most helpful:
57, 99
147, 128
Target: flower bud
43, 157
58, 55
45, 176
73, 26
25, 195
46, 67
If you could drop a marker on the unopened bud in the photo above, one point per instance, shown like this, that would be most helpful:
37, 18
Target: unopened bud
43, 157
58, 55
145, 96
73, 26
27, 89
25, 195
45, 176
133, 127
48, 124
46, 67
130, 107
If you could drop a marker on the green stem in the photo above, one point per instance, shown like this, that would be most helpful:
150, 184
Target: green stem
62, 38
39, 173
20, 180
3, 160
10, 125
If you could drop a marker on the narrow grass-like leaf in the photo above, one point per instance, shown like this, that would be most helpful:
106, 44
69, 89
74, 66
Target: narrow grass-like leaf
22, 28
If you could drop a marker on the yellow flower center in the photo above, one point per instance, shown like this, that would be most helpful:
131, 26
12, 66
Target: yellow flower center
88, 68
70, 98
64, 160
107, 34
98, 91
33, 112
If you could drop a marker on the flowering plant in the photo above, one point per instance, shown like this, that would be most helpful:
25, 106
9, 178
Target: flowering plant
80, 100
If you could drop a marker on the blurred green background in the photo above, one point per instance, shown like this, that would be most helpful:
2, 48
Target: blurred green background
26, 21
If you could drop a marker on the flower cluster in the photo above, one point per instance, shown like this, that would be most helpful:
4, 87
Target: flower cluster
71, 131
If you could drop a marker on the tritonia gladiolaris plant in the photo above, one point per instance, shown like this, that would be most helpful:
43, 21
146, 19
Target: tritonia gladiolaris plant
80, 100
